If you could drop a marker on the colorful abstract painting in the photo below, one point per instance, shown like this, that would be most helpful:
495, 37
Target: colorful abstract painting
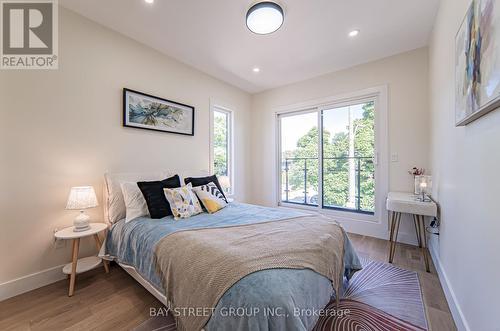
477, 62
145, 111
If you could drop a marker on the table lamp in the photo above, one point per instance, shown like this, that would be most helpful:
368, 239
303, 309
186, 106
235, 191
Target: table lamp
81, 198
424, 186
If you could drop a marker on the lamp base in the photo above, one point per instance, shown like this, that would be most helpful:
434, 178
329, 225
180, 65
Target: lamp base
81, 222
423, 198
75, 229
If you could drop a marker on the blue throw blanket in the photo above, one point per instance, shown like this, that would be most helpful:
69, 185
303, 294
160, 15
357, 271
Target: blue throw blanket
280, 299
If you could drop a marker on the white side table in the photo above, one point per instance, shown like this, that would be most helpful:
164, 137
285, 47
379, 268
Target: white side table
81, 265
403, 202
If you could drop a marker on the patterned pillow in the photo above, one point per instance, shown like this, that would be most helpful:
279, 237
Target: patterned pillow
183, 202
199, 181
211, 197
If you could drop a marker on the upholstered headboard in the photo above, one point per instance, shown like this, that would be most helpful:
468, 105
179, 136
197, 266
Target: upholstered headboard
114, 205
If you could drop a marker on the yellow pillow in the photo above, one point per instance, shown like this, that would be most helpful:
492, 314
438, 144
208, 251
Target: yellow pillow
210, 196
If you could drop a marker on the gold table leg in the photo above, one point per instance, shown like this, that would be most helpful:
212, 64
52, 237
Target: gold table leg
417, 230
423, 239
396, 219
391, 231
419, 222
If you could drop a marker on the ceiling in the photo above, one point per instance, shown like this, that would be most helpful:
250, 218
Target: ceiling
211, 35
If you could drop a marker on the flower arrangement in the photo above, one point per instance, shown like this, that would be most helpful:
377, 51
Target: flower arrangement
417, 171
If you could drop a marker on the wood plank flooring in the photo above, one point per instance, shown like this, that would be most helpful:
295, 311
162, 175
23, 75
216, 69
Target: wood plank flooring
115, 301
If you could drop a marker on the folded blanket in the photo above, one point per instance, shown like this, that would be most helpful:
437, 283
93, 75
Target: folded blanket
198, 266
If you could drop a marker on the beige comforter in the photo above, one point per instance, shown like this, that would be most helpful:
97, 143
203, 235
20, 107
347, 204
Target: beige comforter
198, 266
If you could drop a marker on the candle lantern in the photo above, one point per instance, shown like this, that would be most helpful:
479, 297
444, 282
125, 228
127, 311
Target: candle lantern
423, 187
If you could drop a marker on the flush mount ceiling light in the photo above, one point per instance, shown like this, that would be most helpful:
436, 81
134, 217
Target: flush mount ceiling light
353, 33
256, 69
149, 1
264, 17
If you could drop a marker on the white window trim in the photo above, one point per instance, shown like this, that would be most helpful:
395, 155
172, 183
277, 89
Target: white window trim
374, 225
230, 158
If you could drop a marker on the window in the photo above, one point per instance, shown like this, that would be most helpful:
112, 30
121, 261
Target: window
222, 147
300, 158
327, 157
348, 154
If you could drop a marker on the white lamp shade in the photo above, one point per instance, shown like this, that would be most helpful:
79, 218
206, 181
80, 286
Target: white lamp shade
224, 182
82, 197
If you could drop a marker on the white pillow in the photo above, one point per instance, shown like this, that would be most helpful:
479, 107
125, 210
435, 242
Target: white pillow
114, 206
135, 204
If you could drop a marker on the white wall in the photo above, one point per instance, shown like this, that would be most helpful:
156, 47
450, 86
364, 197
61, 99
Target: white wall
406, 76
465, 162
63, 128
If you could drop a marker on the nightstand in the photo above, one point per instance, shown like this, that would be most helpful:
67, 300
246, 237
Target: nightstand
78, 266
407, 203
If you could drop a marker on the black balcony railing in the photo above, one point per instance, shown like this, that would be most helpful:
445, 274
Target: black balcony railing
299, 172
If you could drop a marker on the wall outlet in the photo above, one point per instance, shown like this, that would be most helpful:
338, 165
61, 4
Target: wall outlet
394, 157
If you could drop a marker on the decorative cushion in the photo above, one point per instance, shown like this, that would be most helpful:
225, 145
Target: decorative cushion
135, 204
211, 197
114, 204
158, 205
183, 202
199, 181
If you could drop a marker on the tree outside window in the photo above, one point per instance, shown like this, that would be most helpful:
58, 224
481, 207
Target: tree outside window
348, 152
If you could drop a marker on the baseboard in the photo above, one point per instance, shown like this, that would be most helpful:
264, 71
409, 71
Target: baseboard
30, 282
403, 237
456, 311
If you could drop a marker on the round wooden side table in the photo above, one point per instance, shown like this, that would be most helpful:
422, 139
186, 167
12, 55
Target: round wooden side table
81, 265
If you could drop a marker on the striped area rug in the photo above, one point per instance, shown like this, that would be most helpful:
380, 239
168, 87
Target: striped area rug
379, 297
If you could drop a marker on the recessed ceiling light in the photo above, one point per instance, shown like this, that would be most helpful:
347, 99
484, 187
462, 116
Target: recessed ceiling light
256, 69
353, 33
149, 1
265, 17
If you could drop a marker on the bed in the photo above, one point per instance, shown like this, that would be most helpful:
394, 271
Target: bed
268, 299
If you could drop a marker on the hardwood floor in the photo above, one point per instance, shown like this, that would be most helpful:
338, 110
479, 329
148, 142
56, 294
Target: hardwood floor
410, 258
115, 301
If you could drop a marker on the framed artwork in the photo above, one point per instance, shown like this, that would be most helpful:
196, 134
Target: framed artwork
477, 62
148, 112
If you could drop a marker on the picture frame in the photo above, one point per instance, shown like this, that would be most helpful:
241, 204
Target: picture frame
477, 62
149, 112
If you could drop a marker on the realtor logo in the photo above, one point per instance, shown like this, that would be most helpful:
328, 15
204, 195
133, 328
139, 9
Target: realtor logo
29, 34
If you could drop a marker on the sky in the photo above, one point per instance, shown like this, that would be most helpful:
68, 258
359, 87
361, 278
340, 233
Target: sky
334, 120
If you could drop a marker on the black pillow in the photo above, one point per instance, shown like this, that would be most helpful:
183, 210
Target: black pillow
199, 181
158, 205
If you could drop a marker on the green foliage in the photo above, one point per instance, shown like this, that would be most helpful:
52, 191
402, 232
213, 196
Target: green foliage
336, 163
220, 146
307, 147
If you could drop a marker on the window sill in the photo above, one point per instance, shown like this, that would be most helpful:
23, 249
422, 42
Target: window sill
339, 215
